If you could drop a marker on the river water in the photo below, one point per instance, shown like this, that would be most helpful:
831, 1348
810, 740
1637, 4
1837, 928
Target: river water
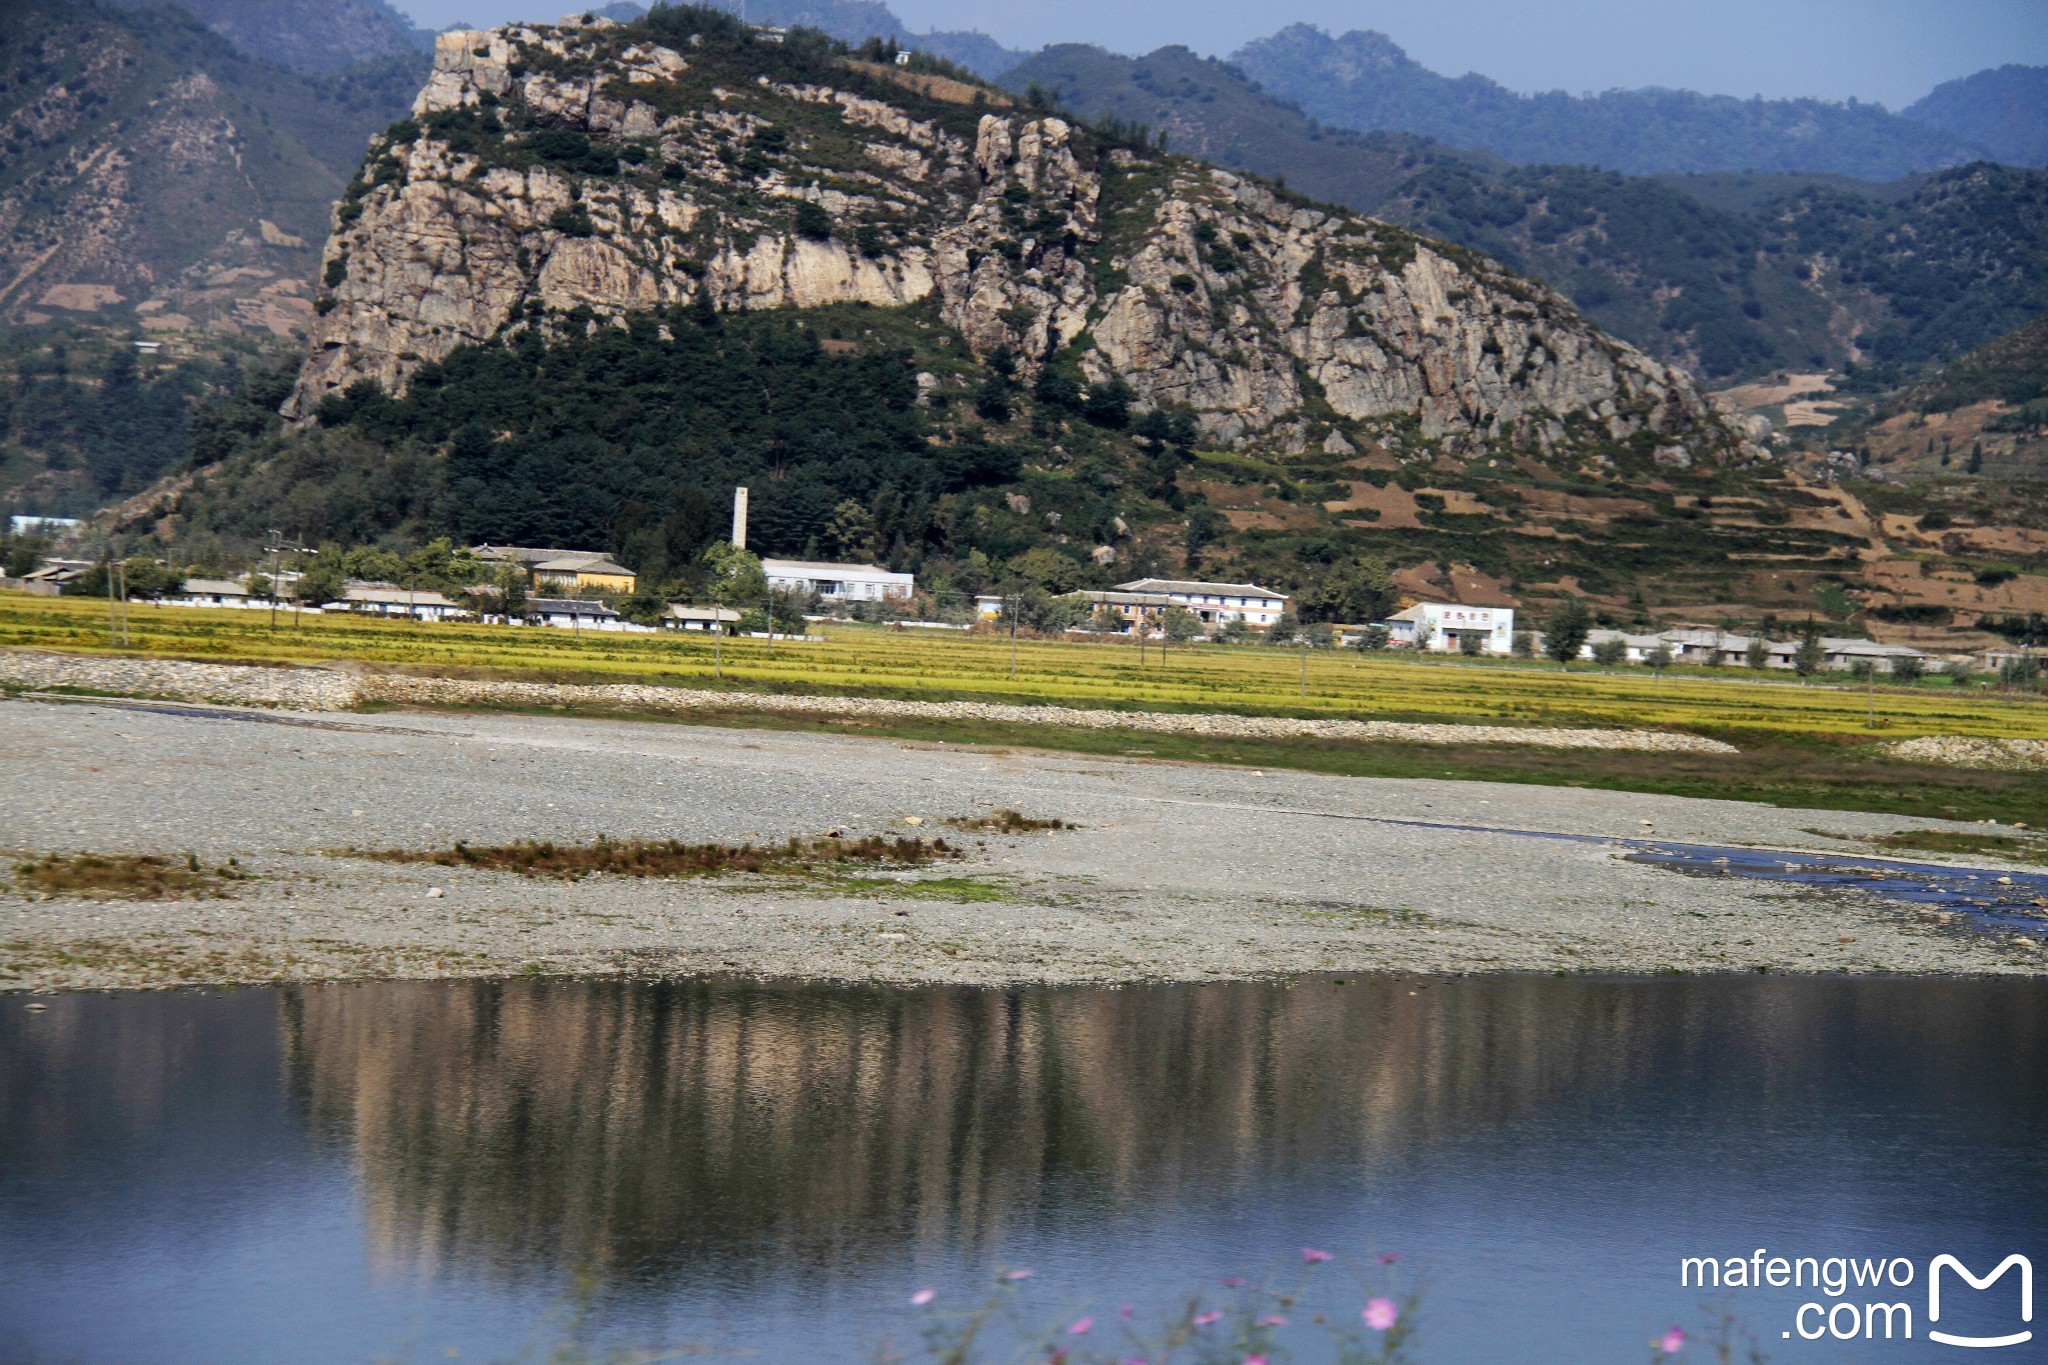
426, 1171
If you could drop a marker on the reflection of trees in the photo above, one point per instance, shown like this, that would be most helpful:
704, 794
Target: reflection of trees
642, 1126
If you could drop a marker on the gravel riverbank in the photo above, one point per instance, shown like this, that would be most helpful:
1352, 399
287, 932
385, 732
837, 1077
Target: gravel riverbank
1177, 871
313, 689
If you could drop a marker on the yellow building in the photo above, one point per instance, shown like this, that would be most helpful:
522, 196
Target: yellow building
574, 570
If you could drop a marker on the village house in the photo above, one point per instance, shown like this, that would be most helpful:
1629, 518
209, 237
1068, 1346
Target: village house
839, 582
213, 592
1637, 648
388, 599
1443, 627
681, 617
1217, 604
1129, 608
575, 613
575, 570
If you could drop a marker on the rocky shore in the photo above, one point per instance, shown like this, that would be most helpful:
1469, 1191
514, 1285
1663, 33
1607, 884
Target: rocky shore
1163, 871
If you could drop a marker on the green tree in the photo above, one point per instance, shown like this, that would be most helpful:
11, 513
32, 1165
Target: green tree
850, 534
1283, 631
1180, 625
1471, 644
1525, 644
1235, 631
373, 564
732, 575
1358, 589
321, 579
1758, 655
1374, 637
1318, 635
1659, 658
259, 586
512, 590
1812, 655
1611, 651
1566, 629
1908, 669
1959, 673
1047, 568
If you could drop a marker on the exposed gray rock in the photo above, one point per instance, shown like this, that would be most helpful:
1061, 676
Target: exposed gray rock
1218, 294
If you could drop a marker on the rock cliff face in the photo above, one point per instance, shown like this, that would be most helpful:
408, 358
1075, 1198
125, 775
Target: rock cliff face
559, 176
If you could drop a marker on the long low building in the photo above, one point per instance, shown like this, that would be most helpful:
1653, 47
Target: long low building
1696, 645
1217, 604
838, 582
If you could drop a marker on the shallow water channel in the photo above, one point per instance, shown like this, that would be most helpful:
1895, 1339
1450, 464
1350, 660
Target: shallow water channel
423, 1171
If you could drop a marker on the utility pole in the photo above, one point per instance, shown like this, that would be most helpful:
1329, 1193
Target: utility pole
276, 567
113, 616
1304, 664
1010, 605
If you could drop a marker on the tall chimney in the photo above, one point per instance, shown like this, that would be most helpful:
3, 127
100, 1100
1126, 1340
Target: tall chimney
739, 518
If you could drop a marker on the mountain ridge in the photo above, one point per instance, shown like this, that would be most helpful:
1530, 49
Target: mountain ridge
1364, 81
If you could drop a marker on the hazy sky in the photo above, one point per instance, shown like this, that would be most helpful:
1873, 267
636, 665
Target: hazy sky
1893, 51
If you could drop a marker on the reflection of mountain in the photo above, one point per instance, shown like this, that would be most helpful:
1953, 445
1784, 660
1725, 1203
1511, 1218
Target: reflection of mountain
645, 1127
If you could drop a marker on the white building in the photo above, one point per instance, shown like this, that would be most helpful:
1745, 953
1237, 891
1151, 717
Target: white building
577, 613
1216, 603
839, 582
212, 592
388, 599
681, 617
1443, 626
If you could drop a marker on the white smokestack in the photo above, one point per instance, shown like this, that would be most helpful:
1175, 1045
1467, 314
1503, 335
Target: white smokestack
739, 518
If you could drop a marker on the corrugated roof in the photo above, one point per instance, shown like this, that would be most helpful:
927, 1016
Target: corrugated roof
1190, 587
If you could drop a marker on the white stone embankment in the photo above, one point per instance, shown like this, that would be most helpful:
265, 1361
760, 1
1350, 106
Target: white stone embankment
1967, 751
315, 689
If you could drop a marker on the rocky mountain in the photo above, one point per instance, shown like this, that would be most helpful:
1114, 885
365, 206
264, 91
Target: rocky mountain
156, 185
606, 272
1364, 81
614, 170
2004, 110
318, 36
1729, 274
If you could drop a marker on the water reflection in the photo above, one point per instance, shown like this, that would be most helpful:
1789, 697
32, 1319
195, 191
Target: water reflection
514, 1128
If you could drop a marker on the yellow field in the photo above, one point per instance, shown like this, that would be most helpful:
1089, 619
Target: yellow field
945, 664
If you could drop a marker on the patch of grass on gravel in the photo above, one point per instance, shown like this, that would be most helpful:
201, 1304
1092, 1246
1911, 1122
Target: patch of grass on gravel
672, 857
956, 890
124, 876
1006, 822
2013, 847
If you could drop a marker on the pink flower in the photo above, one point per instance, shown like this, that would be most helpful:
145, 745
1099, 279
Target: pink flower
1080, 1327
924, 1296
1204, 1319
1380, 1314
1389, 1257
1016, 1274
1272, 1320
1672, 1342
1254, 1360
1314, 1257
1233, 1282
1126, 1310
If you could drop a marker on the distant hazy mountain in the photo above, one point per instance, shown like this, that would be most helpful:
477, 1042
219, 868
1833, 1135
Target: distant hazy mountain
1364, 81
2005, 110
852, 21
1728, 274
307, 35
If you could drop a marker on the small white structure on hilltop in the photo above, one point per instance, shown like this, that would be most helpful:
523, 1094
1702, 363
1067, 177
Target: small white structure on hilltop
839, 582
28, 526
1443, 627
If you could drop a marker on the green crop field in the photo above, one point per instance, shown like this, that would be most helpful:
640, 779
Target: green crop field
946, 664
